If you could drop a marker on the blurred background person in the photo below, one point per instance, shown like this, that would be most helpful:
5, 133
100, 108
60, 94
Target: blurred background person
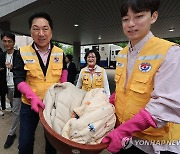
71, 67
7, 61
6, 75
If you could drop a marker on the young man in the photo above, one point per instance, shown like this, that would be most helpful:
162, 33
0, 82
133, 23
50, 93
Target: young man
147, 86
38, 66
7, 60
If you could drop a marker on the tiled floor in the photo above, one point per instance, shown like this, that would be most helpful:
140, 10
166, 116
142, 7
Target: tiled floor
5, 123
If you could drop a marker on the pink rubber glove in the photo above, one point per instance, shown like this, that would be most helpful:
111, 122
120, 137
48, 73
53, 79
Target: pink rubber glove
112, 98
26, 90
139, 122
64, 76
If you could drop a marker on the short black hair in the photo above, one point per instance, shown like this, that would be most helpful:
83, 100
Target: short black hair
40, 15
70, 57
98, 57
139, 6
8, 34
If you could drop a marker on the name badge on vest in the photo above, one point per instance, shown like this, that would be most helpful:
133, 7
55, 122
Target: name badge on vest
118, 64
145, 67
29, 61
56, 59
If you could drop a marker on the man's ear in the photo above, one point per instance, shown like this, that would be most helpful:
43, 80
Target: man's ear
154, 17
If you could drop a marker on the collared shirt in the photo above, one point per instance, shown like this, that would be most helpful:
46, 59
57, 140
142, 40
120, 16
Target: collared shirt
43, 55
133, 53
164, 105
9, 74
67, 64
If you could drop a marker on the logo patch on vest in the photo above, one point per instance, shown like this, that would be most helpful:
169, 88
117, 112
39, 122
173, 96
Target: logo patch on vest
29, 61
98, 74
145, 67
56, 59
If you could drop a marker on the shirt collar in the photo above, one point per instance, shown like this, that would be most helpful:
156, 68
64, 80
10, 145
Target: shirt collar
140, 44
94, 68
38, 50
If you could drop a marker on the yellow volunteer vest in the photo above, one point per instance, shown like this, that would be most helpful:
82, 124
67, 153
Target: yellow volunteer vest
35, 77
97, 81
137, 93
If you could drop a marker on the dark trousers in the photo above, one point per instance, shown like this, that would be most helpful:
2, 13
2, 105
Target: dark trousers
49, 148
134, 150
3, 102
131, 150
28, 124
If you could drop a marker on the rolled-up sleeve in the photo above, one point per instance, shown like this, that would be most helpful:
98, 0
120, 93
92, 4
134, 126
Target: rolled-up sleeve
164, 105
79, 81
18, 69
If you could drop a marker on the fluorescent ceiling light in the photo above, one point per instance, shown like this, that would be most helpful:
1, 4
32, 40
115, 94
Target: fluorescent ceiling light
76, 25
171, 29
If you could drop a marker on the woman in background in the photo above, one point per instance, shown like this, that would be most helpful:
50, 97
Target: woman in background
93, 76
